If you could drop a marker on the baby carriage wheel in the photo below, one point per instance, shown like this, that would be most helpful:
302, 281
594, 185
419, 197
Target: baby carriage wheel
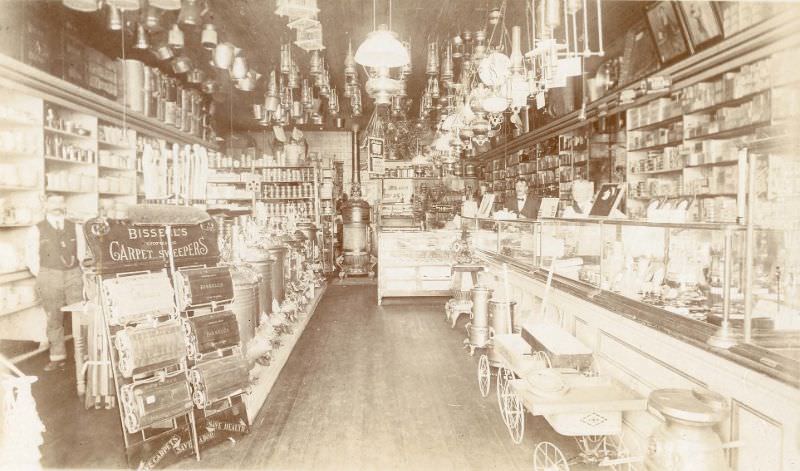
484, 375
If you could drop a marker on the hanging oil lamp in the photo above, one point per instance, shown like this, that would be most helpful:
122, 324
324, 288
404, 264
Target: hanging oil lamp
407, 69
446, 74
432, 65
315, 64
350, 71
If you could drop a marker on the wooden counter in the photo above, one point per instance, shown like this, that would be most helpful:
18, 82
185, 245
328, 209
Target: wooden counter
646, 355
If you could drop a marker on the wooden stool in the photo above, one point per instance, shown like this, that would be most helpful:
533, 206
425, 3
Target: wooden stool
460, 302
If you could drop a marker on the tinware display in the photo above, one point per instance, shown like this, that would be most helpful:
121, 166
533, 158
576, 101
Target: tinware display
213, 332
146, 403
262, 264
146, 348
202, 286
218, 379
502, 316
137, 297
277, 280
686, 441
245, 301
480, 306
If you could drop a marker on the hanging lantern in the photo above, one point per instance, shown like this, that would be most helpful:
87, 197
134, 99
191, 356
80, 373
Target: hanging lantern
315, 64
350, 72
286, 58
175, 37
141, 38
114, 19
407, 69
305, 94
447, 66
333, 104
209, 37
294, 77
272, 102
458, 47
479, 51
432, 64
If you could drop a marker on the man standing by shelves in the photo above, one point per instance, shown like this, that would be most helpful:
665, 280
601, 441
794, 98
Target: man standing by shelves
523, 203
53, 260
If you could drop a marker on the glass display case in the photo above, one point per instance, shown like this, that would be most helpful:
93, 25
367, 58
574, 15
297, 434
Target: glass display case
693, 270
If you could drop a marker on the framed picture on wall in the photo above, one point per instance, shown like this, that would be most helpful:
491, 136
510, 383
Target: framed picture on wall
640, 56
667, 29
702, 23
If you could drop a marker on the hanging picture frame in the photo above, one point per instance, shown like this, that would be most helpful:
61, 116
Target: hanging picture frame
703, 25
668, 32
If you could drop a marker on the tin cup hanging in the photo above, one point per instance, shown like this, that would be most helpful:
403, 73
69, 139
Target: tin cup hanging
209, 37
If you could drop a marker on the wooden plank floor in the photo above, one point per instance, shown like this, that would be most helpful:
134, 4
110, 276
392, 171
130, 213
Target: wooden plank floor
371, 387
366, 388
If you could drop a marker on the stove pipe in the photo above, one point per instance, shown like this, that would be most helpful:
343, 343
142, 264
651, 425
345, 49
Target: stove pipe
355, 187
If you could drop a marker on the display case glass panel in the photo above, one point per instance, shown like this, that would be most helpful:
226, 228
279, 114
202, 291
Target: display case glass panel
572, 248
518, 241
485, 235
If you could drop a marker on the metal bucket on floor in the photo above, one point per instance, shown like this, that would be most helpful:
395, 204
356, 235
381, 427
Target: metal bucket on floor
278, 253
261, 263
245, 302
480, 306
502, 316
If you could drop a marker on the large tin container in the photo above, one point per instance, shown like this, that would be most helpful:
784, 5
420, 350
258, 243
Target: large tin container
480, 306
245, 302
278, 281
502, 316
686, 441
261, 263
478, 336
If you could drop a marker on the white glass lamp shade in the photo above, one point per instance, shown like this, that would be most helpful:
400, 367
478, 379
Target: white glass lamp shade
382, 49
86, 6
495, 103
166, 4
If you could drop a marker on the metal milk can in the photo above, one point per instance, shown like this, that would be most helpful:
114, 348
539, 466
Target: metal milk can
686, 441
501, 316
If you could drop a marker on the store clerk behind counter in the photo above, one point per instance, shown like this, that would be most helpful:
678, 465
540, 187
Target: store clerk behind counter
524, 204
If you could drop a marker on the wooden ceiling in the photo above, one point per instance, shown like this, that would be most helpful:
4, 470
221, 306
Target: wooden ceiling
253, 26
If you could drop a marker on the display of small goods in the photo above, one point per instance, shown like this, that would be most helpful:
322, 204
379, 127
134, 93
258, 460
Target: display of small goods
654, 112
299, 208
755, 111
288, 191
73, 182
231, 192
670, 134
115, 135
122, 185
115, 160
287, 175
749, 79
738, 16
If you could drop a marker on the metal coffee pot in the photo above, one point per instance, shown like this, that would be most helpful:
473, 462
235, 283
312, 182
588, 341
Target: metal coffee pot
223, 55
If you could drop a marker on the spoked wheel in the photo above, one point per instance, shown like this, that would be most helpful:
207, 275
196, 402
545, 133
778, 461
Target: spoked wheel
548, 457
617, 451
504, 375
484, 375
514, 415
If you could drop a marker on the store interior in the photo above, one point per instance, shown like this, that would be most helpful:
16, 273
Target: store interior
399, 234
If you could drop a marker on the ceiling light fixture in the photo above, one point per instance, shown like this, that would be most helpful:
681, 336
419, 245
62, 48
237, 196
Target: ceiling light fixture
382, 49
